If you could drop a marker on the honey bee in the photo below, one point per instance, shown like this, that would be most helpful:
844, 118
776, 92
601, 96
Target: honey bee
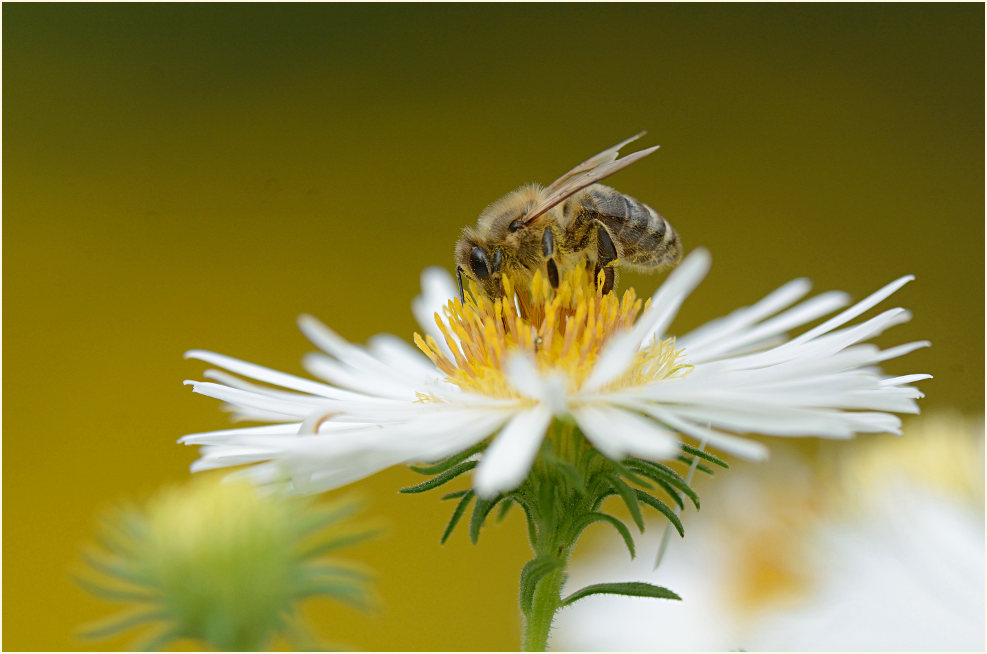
573, 221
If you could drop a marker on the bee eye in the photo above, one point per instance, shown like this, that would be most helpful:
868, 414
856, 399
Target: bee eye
515, 225
479, 263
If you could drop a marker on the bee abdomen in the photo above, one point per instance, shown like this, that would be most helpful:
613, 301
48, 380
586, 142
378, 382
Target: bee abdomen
643, 236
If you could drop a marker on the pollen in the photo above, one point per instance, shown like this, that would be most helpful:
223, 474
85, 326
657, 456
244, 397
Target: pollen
563, 330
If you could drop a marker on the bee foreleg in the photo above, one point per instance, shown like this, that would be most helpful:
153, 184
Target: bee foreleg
548, 243
459, 276
553, 273
606, 254
548, 249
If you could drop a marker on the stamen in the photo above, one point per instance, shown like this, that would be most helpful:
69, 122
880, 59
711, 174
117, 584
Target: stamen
563, 329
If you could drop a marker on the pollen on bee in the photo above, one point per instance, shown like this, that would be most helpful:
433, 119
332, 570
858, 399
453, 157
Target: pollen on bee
562, 329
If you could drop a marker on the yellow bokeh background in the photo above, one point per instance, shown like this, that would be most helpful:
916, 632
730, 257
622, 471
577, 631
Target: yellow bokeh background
196, 176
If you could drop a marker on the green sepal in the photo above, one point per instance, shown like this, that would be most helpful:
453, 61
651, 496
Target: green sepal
689, 461
454, 494
629, 475
116, 594
629, 495
504, 508
548, 509
533, 572
480, 511
457, 513
530, 522
662, 473
114, 568
157, 641
631, 588
663, 508
324, 516
344, 540
671, 492
121, 622
437, 481
703, 454
567, 469
120, 535
589, 518
329, 572
445, 464
343, 592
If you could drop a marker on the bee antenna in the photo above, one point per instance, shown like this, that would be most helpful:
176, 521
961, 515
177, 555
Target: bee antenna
459, 276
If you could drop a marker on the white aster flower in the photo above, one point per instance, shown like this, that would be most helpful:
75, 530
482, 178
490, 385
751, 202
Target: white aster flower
878, 548
506, 369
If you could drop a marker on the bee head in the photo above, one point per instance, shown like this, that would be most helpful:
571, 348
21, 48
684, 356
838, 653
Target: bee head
481, 263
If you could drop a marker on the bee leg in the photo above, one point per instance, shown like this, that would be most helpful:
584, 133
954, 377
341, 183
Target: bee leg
548, 249
607, 280
553, 273
548, 243
459, 276
606, 254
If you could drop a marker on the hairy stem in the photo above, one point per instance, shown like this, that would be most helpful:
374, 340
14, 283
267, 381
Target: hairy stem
546, 602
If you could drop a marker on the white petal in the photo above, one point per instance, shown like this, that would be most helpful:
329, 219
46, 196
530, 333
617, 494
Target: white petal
235, 382
618, 433
284, 407
790, 421
355, 367
439, 436
549, 390
613, 361
523, 375
398, 354
364, 380
507, 461
263, 374
857, 309
720, 328
901, 350
327, 460
905, 379
666, 301
741, 447
437, 289
795, 317
621, 350
225, 435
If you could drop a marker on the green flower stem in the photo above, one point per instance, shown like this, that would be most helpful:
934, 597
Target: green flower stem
561, 497
555, 503
546, 602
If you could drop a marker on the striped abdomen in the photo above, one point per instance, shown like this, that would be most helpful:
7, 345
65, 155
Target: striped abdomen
643, 237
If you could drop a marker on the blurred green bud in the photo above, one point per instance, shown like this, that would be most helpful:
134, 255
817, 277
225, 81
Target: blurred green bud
219, 562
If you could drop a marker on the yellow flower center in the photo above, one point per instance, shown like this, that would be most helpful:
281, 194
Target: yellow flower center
563, 330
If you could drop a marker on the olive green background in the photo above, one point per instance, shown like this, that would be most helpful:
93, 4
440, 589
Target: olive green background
196, 176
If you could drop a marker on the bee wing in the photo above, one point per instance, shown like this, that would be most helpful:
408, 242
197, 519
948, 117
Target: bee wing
606, 156
589, 172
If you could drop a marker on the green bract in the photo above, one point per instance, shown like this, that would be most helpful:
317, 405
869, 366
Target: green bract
561, 497
220, 563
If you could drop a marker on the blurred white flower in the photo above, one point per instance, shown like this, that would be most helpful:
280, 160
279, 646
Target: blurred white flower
509, 367
882, 550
